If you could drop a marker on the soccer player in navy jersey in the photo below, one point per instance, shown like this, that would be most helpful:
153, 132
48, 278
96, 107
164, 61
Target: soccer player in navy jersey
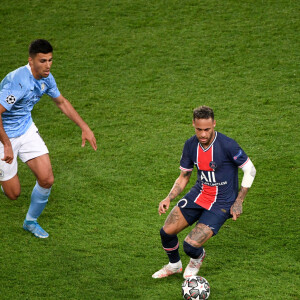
211, 201
20, 90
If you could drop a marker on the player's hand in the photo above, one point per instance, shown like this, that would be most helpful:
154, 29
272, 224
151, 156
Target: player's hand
236, 209
163, 206
88, 135
8, 154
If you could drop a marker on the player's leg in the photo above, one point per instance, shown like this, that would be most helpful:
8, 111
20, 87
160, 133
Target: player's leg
10, 184
42, 169
174, 223
11, 188
208, 226
192, 246
35, 154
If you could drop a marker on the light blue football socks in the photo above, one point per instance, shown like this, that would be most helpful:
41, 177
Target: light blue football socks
39, 199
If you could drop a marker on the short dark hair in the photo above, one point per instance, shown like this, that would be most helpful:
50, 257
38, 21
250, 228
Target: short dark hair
203, 112
39, 46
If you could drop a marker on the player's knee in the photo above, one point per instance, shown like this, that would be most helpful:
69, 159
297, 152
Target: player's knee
51, 181
46, 182
13, 195
191, 251
163, 234
166, 236
169, 230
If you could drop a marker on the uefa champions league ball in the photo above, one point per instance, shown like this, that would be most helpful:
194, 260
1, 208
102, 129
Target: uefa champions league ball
195, 288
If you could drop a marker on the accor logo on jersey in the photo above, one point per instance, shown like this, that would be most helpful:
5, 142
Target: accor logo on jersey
208, 177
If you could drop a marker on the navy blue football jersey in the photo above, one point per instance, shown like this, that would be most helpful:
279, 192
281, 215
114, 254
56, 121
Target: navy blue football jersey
217, 168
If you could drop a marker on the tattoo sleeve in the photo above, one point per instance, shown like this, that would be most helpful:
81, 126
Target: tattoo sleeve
179, 185
199, 235
175, 191
173, 217
242, 194
237, 207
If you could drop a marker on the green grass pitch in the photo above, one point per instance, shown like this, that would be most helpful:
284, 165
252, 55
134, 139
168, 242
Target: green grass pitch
134, 70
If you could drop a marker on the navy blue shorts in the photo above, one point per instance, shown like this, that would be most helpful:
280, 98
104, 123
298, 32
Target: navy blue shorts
193, 212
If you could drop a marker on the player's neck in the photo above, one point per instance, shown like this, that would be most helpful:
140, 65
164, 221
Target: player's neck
35, 75
207, 145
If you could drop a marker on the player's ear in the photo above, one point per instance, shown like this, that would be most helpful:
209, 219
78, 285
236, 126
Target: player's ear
214, 123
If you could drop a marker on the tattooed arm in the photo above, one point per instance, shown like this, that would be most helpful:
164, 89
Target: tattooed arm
237, 207
249, 175
178, 187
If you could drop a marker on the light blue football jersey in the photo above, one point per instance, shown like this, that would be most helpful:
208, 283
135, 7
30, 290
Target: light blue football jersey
19, 92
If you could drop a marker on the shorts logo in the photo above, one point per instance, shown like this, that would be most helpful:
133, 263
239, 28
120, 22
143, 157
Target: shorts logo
182, 203
213, 165
1, 173
11, 99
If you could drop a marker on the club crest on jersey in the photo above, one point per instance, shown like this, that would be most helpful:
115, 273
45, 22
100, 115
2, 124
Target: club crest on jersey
11, 99
213, 165
42, 86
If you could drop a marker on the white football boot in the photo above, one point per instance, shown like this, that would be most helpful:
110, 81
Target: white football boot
193, 267
168, 270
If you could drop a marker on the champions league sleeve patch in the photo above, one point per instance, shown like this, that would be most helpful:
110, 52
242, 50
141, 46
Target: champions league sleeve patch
11, 99
238, 155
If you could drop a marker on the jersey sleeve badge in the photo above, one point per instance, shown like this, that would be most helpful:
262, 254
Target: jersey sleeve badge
11, 99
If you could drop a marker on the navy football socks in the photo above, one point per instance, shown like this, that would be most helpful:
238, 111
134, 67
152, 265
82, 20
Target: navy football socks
191, 251
170, 244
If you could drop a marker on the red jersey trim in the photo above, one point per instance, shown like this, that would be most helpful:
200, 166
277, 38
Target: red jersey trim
244, 163
184, 169
207, 197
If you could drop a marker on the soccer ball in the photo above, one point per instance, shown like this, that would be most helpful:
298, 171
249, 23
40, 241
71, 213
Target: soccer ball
195, 288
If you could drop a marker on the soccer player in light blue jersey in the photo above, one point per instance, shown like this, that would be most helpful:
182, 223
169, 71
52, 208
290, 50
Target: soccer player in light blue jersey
20, 90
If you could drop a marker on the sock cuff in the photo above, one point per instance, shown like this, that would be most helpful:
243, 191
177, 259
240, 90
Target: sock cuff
166, 235
191, 251
41, 190
169, 241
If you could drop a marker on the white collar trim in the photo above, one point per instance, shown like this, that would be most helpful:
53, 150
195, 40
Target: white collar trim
204, 150
28, 67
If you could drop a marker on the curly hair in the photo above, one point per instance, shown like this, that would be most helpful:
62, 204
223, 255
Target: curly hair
203, 112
